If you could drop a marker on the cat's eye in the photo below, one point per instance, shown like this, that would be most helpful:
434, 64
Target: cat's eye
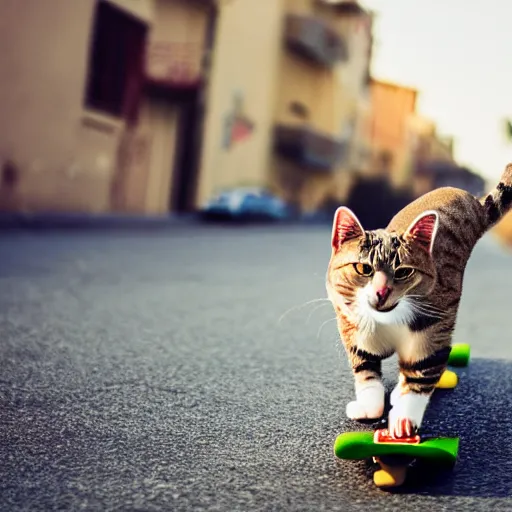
403, 273
363, 269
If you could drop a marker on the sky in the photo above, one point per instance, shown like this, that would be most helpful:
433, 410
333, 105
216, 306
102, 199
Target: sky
458, 54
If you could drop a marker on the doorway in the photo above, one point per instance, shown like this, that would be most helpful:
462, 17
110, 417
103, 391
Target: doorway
186, 162
176, 126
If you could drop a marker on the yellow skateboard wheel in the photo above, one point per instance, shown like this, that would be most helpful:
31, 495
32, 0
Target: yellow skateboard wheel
390, 476
448, 380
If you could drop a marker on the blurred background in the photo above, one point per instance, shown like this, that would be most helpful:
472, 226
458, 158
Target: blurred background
277, 108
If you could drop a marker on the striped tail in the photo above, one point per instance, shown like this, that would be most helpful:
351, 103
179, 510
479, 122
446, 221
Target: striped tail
499, 201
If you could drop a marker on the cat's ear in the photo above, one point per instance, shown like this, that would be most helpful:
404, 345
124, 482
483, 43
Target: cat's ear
346, 226
423, 229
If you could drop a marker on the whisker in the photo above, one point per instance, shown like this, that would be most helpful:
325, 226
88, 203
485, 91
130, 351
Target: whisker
420, 299
417, 307
299, 307
322, 326
316, 308
427, 313
425, 305
320, 276
426, 310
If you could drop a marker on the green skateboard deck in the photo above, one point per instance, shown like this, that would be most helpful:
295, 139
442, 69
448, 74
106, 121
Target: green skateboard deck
360, 445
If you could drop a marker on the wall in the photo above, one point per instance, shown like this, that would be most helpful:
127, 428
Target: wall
331, 95
306, 83
353, 76
312, 86
244, 66
64, 155
392, 105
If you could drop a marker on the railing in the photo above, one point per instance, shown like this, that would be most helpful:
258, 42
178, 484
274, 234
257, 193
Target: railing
175, 65
315, 40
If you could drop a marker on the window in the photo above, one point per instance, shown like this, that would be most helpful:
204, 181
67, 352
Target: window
299, 109
116, 62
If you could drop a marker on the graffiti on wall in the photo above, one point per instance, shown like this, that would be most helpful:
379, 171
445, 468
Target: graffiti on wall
237, 125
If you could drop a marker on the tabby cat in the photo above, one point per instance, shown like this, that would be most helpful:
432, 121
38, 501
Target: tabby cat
397, 290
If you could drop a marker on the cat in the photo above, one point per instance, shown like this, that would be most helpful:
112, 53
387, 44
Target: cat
398, 289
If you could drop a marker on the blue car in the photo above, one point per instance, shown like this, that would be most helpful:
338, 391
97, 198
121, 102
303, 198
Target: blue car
246, 204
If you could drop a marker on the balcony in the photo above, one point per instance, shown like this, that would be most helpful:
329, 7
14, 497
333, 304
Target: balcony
174, 65
309, 148
314, 40
344, 7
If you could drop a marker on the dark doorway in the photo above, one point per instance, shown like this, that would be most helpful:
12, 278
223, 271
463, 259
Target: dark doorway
190, 100
188, 147
192, 104
188, 139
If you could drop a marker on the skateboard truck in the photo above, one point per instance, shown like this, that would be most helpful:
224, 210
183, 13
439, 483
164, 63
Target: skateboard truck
393, 469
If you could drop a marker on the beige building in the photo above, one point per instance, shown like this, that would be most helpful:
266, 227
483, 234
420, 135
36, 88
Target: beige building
301, 86
321, 99
432, 161
393, 107
151, 106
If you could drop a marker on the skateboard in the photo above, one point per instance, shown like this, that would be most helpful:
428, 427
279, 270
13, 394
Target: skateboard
396, 456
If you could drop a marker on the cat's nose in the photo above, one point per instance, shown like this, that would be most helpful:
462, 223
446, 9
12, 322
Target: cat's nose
381, 288
382, 295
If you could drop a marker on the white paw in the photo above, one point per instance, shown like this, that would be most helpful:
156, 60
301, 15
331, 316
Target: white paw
407, 413
356, 411
369, 403
395, 395
402, 427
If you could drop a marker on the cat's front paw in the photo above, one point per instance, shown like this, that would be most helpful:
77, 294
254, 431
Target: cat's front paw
402, 427
406, 415
358, 411
369, 404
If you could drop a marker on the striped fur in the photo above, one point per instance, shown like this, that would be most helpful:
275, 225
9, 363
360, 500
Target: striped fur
398, 289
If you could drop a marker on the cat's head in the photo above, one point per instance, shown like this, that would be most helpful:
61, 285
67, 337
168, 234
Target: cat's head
380, 275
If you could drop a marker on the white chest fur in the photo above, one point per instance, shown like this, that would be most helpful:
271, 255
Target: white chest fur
384, 339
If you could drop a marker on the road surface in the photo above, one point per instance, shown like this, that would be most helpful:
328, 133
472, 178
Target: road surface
186, 369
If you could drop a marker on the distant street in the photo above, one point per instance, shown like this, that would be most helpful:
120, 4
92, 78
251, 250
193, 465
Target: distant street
157, 370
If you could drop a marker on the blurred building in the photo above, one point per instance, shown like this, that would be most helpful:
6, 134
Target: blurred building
322, 100
432, 162
425, 143
98, 101
151, 106
393, 107
407, 149
437, 174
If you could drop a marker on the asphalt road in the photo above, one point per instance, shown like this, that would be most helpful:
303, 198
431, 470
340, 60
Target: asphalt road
156, 371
